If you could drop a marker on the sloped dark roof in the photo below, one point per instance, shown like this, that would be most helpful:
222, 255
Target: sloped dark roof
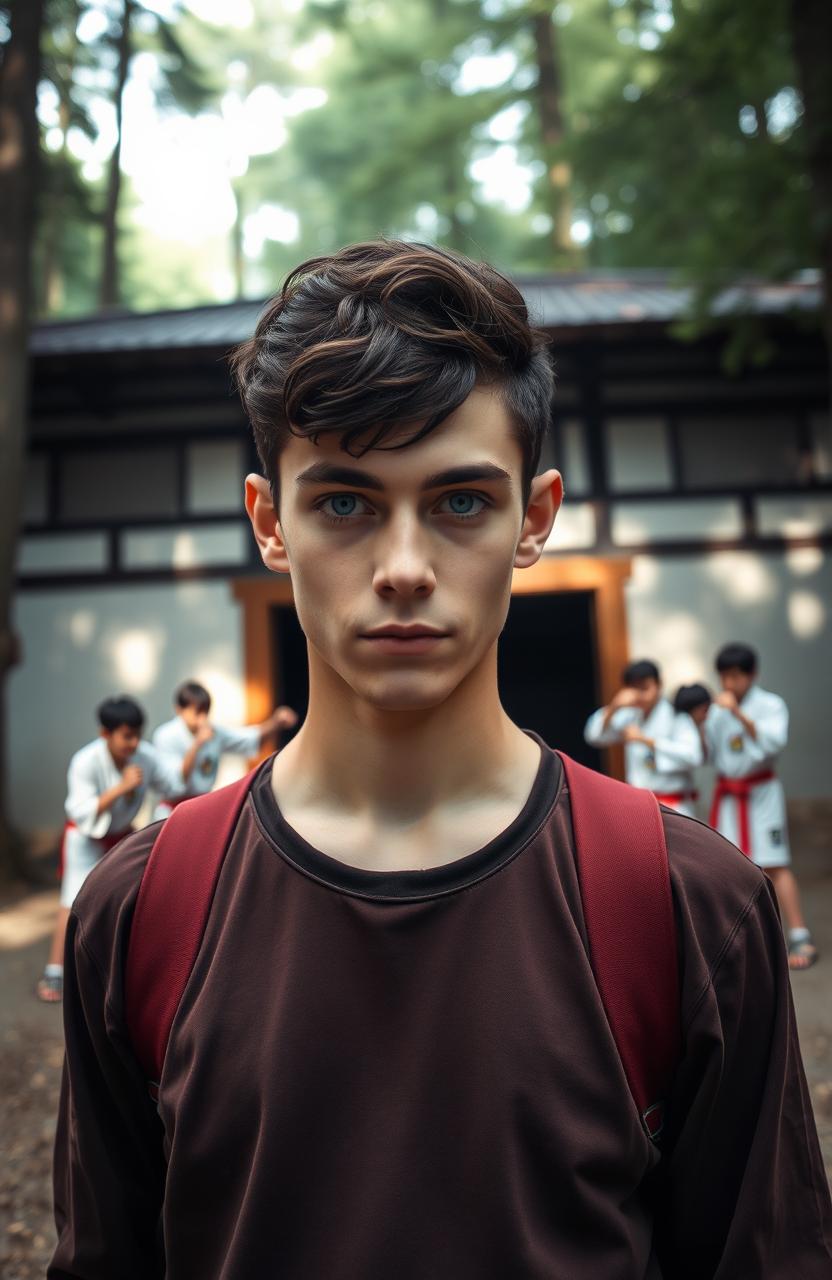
562, 302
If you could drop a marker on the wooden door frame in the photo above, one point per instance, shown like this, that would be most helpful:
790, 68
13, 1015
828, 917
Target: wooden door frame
603, 576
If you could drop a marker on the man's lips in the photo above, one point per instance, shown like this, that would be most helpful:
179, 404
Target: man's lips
401, 638
403, 631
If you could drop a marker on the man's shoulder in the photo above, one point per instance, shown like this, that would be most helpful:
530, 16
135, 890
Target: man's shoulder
710, 877
105, 904
89, 752
168, 731
764, 700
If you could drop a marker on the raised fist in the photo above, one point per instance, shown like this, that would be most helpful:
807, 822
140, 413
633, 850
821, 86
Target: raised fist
132, 777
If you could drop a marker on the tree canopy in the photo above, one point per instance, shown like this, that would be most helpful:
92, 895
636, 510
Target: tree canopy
611, 133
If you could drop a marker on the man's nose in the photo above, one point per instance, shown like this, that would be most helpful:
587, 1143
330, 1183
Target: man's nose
404, 563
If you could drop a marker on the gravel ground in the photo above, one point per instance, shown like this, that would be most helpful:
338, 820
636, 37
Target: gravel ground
31, 1051
30, 1069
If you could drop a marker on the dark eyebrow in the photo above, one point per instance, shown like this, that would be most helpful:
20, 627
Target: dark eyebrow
354, 477
466, 475
331, 473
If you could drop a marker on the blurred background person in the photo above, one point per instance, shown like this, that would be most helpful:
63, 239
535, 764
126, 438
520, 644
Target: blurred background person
193, 746
107, 782
662, 748
747, 729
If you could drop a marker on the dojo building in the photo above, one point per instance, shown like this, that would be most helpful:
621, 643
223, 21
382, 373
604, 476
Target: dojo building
698, 511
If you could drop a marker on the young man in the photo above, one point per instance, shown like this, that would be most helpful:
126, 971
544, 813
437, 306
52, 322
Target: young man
391, 1057
694, 700
746, 729
662, 748
191, 745
106, 784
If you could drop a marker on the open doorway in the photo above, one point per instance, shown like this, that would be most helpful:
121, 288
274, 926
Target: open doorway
547, 669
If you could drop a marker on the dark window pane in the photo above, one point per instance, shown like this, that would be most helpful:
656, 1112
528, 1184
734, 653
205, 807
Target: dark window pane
726, 453
118, 483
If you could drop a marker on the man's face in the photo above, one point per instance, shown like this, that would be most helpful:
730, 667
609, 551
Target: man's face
122, 742
735, 681
193, 717
647, 692
700, 714
401, 561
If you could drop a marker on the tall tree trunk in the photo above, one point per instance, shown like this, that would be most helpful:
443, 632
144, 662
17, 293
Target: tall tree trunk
455, 236
238, 258
549, 105
109, 291
51, 279
19, 75
811, 24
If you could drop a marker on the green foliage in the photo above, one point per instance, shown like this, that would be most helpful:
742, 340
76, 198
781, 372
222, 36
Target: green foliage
76, 75
670, 130
697, 159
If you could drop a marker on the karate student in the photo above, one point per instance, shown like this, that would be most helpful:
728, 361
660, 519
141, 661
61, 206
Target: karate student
391, 1058
192, 745
694, 700
106, 784
662, 748
746, 730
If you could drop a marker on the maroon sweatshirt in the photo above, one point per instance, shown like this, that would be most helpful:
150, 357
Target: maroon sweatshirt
409, 1076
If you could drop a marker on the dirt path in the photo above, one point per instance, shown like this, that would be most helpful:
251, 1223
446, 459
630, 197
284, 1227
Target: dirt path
31, 1051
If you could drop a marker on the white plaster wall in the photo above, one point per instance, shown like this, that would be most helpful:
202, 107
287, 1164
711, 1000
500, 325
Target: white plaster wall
682, 609
81, 645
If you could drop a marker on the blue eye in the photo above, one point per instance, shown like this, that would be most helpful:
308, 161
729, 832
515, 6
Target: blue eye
341, 507
463, 504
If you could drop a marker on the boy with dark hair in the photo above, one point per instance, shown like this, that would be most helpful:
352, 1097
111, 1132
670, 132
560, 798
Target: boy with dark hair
662, 748
390, 1056
106, 784
694, 700
192, 745
746, 729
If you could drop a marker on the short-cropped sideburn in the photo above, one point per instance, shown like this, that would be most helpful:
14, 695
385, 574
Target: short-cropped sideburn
380, 342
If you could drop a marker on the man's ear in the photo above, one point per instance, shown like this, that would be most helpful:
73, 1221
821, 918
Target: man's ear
543, 505
264, 522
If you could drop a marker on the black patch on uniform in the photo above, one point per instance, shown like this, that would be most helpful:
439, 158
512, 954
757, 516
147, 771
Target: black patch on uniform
775, 835
206, 766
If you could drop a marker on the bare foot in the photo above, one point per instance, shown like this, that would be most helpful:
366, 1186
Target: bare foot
50, 989
802, 955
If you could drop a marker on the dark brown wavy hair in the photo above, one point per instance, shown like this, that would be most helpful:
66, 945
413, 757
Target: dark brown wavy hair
386, 336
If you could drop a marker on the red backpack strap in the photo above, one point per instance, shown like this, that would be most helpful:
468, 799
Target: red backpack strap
172, 908
628, 908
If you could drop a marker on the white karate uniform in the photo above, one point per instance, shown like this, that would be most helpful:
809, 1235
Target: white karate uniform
735, 754
667, 768
92, 771
173, 740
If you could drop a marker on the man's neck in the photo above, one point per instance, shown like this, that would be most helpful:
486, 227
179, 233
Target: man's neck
400, 765
121, 765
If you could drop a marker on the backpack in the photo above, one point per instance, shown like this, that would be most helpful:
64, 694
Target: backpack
625, 892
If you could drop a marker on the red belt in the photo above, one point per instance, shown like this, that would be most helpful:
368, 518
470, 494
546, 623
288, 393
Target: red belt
672, 798
740, 789
109, 841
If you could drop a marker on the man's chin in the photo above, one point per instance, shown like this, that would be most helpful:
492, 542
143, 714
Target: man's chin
404, 693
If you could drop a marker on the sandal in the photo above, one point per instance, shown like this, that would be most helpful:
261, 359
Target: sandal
50, 989
802, 954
